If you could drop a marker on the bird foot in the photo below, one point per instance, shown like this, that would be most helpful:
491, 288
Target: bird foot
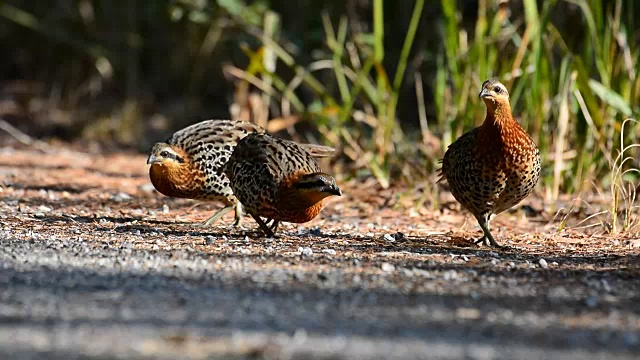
488, 242
219, 214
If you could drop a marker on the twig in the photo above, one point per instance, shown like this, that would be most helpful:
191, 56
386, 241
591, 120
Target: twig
22, 137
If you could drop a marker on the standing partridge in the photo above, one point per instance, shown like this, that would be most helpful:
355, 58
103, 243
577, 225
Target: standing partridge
188, 165
494, 166
278, 180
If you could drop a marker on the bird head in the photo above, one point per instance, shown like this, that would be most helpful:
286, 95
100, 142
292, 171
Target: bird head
317, 186
163, 154
493, 91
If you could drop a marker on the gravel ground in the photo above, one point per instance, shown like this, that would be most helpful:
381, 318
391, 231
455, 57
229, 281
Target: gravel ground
95, 264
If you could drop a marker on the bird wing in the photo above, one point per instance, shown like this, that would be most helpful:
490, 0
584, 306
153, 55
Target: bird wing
454, 158
212, 133
283, 158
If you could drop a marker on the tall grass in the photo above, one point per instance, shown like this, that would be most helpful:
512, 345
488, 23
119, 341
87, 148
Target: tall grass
367, 78
570, 97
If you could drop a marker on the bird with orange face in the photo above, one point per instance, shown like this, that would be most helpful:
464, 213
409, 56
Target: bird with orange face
279, 180
494, 166
188, 165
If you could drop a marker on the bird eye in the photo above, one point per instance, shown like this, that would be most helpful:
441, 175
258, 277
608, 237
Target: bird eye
497, 89
164, 153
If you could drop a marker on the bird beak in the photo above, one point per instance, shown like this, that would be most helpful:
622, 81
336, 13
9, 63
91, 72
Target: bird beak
152, 159
334, 190
484, 93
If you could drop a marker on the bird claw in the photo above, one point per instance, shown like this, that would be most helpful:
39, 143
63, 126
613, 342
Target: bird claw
488, 242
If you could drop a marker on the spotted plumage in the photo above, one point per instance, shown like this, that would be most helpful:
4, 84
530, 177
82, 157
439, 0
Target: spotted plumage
279, 180
189, 164
494, 166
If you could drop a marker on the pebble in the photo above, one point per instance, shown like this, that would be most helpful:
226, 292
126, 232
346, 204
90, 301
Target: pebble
121, 197
592, 301
329, 251
305, 251
543, 263
387, 267
44, 209
165, 208
389, 238
450, 275
148, 188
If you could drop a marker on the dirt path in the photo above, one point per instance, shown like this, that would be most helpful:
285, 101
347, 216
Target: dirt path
94, 263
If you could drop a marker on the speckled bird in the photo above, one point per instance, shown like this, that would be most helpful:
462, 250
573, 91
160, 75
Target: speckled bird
279, 180
189, 164
494, 166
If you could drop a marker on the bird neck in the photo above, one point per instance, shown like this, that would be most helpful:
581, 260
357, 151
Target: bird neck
299, 205
498, 115
175, 180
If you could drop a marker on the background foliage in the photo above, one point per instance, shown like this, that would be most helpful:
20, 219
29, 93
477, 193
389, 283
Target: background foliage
390, 84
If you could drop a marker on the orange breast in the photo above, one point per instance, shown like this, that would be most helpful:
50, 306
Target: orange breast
177, 182
304, 214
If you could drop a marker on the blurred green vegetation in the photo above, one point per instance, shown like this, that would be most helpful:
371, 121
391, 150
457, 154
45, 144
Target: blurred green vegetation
389, 83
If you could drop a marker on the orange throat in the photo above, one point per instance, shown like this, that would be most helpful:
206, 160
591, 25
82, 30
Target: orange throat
176, 181
500, 130
299, 207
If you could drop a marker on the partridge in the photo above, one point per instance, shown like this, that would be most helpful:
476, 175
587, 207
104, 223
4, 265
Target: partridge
494, 166
188, 165
279, 180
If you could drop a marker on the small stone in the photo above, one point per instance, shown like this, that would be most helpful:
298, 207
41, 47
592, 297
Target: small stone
44, 209
543, 263
468, 314
121, 197
450, 275
165, 208
329, 251
592, 301
305, 251
315, 231
38, 215
389, 238
147, 188
386, 267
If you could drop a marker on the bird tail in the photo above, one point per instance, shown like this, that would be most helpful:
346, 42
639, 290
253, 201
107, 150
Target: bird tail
318, 151
442, 178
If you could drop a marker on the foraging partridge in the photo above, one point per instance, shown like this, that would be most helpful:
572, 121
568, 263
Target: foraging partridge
279, 180
188, 165
494, 166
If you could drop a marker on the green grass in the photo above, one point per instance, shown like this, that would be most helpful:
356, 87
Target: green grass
572, 102
389, 88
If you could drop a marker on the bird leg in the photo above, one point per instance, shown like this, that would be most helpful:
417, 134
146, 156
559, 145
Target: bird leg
274, 225
217, 216
482, 240
239, 213
265, 229
487, 238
